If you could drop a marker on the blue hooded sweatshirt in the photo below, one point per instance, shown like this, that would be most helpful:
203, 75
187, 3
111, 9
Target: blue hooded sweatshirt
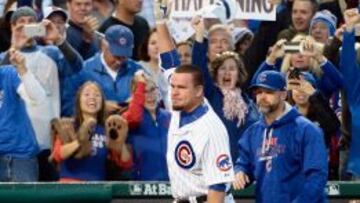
287, 159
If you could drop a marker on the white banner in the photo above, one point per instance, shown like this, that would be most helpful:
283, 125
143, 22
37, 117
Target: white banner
246, 9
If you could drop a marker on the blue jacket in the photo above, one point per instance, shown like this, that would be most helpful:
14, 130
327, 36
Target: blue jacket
17, 134
349, 67
330, 82
290, 165
118, 90
215, 98
66, 69
149, 141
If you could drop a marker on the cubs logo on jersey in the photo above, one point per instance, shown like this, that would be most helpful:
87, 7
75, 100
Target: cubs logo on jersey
184, 155
223, 162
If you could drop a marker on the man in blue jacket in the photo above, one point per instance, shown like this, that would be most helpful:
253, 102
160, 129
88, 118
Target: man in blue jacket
112, 68
283, 152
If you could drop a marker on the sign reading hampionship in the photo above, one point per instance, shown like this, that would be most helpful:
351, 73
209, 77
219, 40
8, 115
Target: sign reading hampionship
245, 9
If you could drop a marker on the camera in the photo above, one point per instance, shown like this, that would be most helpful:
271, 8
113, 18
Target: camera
294, 74
34, 30
292, 47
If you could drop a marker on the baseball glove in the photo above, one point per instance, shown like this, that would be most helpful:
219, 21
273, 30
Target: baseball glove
62, 129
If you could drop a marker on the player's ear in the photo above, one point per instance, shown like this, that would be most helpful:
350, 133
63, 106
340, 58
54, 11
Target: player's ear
199, 90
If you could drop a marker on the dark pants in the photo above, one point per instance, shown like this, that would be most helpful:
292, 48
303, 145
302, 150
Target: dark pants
47, 170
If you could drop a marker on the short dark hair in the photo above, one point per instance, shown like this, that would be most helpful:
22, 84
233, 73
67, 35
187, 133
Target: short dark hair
195, 71
221, 58
314, 4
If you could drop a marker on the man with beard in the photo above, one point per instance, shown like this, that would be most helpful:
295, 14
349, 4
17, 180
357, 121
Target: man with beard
283, 152
198, 151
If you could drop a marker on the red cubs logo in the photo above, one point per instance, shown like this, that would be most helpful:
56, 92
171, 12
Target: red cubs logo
184, 155
223, 162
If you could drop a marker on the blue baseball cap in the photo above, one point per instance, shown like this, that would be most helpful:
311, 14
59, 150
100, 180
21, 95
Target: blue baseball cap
310, 78
271, 80
120, 39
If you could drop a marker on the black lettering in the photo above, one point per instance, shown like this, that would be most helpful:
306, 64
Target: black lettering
187, 7
248, 5
195, 5
256, 3
241, 5
266, 9
176, 5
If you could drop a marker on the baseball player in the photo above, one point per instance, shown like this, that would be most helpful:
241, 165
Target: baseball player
198, 154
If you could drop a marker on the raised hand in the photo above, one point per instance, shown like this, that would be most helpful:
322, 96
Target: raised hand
17, 60
351, 17
53, 35
162, 10
84, 138
276, 51
90, 25
198, 24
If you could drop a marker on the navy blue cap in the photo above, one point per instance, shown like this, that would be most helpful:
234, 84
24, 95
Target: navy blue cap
310, 78
120, 39
271, 80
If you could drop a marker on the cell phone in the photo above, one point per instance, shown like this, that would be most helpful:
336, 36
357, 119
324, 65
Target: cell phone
292, 47
34, 30
295, 74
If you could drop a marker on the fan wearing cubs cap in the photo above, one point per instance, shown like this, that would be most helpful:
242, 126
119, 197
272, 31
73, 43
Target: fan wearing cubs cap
282, 150
111, 67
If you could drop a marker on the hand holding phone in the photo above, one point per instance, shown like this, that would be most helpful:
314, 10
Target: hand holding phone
34, 30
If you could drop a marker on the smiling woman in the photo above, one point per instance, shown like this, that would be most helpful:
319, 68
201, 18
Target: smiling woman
82, 145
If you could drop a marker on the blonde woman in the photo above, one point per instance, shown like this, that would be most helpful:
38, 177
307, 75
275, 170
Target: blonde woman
310, 59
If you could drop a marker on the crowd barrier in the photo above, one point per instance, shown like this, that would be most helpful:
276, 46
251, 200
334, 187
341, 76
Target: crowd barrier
110, 191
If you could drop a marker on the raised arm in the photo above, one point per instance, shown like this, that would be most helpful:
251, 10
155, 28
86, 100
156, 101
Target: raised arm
167, 49
30, 87
349, 66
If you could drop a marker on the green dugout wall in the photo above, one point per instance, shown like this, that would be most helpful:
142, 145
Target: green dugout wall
131, 191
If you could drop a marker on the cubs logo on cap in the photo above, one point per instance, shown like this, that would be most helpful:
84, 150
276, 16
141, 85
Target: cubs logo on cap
122, 41
271, 80
223, 162
184, 155
262, 77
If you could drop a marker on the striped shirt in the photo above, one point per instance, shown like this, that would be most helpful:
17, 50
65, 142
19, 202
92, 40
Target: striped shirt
198, 153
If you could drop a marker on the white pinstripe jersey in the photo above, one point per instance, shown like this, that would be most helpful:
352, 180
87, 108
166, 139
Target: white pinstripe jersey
198, 155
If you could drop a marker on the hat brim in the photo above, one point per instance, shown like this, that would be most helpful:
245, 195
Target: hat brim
120, 51
62, 13
253, 87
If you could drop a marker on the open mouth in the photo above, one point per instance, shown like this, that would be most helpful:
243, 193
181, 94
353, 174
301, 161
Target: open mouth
226, 81
91, 104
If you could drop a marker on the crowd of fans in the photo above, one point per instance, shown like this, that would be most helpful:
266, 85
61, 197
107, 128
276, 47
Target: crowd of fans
90, 100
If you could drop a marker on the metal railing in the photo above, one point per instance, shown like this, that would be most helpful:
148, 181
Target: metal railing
108, 191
